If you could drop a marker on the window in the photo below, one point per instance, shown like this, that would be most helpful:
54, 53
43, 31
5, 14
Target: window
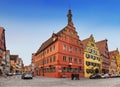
75, 60
96, 52
91, 56
80, 51
90, 50
54, 58
75, 50
47, 50
64, 47
50, 59
47, 60
70, 49
70, 59
64, 58
92, 44
94, 57
87, 63
80, 61
50, 49
87, 56
44, 61
54, 47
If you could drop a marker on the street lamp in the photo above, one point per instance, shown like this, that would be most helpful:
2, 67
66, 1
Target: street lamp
70, 64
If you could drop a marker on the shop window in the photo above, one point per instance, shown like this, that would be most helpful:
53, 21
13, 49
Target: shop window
47, 69
69, 69
63, 69
54, 70
79, 69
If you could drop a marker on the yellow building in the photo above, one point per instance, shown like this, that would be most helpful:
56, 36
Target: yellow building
113, 69
92, 59
118, 63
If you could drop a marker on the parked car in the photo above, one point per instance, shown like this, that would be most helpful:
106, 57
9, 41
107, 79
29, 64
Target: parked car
9, 74
105, 75
95, 76
14, 73
26, 75
115, 75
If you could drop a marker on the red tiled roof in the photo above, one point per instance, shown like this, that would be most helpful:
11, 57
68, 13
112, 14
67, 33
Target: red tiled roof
45, 45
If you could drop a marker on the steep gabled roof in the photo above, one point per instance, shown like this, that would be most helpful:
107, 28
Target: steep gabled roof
45, 45
85, 41
114, 52
101, 45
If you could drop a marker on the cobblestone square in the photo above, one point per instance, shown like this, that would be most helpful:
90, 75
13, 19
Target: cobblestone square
16, 81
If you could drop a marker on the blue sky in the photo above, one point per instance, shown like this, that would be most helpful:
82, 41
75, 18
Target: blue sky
29, 23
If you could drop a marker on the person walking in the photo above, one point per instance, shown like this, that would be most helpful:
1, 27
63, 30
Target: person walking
72, 76
77, 75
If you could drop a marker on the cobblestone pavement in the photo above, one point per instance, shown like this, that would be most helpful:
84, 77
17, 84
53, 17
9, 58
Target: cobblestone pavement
16, 81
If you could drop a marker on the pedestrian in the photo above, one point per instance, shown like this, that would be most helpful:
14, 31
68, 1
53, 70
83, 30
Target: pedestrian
72, 76
77, 76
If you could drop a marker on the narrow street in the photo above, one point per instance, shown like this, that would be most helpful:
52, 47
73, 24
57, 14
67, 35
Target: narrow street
16, 81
